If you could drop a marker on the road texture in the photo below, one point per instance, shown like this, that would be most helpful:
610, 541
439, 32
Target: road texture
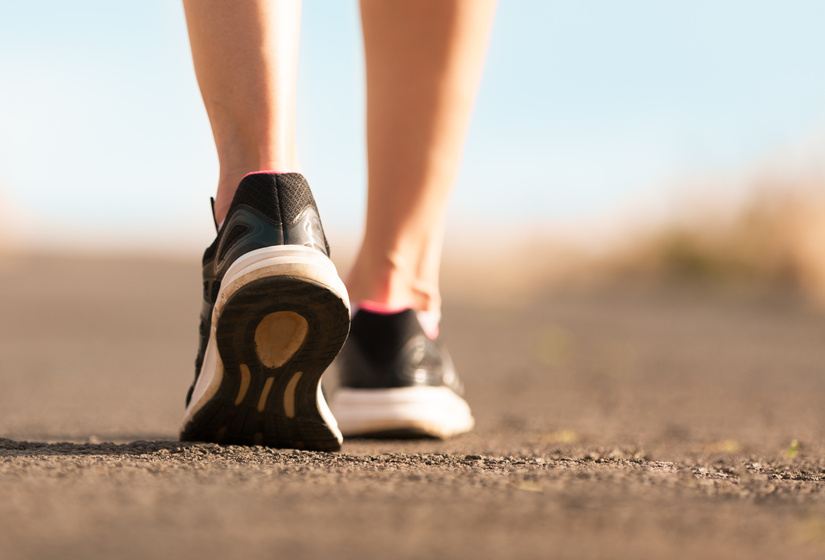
615, 423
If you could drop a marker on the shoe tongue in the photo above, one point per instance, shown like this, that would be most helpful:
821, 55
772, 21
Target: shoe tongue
429, 320
214, 219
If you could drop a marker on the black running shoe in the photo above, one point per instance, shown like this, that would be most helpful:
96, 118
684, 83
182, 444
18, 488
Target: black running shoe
275, 314
394, 381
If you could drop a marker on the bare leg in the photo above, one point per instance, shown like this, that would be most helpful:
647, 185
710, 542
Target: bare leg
246, 59
273, 304
424, 61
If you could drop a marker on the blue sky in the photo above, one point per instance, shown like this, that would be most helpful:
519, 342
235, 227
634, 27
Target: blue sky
584, 106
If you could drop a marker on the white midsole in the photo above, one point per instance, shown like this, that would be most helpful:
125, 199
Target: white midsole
437, 411
281, 260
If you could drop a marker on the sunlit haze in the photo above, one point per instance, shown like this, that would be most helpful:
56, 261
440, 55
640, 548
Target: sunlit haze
585, 108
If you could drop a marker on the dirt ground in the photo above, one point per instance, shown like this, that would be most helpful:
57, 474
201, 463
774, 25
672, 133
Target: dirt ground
610, 424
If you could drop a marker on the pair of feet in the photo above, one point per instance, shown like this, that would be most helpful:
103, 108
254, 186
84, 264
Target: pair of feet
276, 314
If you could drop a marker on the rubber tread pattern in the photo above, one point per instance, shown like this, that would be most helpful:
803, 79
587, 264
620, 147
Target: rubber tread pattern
221, 421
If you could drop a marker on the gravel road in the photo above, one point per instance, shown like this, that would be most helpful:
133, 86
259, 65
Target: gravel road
617, 423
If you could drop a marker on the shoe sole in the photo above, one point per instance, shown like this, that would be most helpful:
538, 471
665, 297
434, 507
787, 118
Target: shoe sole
280, 319
401, 412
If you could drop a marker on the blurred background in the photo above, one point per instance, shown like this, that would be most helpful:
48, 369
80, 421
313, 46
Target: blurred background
631, 139
677, 147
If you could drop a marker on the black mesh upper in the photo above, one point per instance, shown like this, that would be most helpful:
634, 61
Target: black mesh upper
280, 197
382, 337
260, 191
391, 350
295, 196
231, 236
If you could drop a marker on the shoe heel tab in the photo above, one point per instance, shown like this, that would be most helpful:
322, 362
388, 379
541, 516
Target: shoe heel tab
260, 192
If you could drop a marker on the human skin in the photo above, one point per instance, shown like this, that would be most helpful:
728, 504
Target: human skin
246, 60
423, 60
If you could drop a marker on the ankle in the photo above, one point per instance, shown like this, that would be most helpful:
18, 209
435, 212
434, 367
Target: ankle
392, 287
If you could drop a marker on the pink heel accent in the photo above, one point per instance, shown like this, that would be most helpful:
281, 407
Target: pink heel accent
268, 172
380, 308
